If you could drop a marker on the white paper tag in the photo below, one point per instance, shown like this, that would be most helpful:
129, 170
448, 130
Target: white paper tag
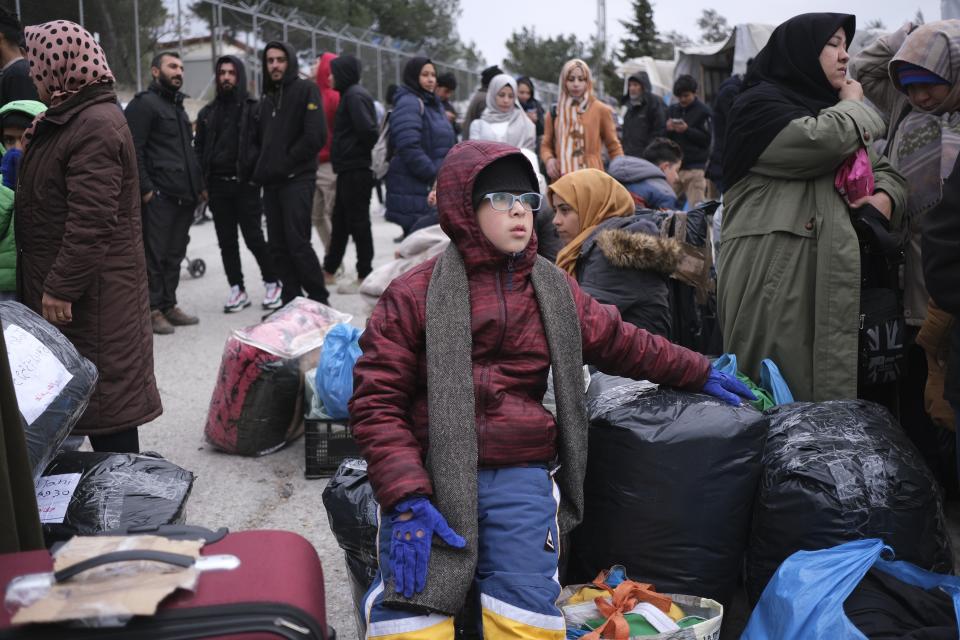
53, 495
38, 376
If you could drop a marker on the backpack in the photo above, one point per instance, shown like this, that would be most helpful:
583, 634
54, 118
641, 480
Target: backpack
382, 152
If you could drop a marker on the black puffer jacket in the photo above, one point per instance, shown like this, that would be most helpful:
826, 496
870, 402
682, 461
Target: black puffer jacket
164, 141
625, 263
355, 129
215, 129
292, 128
941, 268
643, 120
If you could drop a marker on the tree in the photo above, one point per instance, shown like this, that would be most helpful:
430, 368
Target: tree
876, 23
670, 42
641, 36
112, 23
542, 58
713, 26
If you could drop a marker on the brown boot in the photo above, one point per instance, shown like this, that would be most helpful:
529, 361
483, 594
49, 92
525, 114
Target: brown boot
161, 326
178, 318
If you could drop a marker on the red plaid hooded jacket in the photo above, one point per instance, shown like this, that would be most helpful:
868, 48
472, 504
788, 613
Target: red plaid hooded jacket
388, 411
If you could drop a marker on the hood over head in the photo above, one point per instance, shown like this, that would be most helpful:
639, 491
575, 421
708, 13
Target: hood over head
527, 81
628, 170
293, 65
346, 72
458, 219
323, 71
16, 112
644, 80
241, 91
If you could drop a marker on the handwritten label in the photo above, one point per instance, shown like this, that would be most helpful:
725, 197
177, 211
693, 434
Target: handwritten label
53, 495
38, 376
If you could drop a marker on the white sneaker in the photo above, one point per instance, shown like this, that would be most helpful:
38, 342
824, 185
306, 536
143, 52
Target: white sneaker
350, 287
272, 297
237, 301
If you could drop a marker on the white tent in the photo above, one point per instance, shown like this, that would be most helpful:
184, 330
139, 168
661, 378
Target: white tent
660, 73
713, 63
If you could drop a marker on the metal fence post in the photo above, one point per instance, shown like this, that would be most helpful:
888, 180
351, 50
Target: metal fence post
136, 43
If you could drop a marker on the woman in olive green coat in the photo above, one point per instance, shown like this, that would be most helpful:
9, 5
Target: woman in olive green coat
789, 269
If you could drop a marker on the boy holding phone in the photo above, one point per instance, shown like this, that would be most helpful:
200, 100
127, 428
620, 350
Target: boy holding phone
688, 124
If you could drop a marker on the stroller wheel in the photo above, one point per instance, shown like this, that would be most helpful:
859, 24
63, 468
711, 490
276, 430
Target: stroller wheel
196, 268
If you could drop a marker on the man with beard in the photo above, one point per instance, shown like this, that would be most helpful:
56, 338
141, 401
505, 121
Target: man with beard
292, 130
170, 185
227, 151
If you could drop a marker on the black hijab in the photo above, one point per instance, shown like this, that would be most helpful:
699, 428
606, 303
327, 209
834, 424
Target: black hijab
411, 73
785, 82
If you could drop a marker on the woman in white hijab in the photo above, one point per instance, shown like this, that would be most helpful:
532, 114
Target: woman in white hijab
504, 119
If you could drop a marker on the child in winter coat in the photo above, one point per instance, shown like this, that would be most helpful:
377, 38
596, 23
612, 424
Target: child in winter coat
447, 410
15, 117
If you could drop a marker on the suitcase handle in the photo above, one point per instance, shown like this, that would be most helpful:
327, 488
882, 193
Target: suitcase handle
175, 559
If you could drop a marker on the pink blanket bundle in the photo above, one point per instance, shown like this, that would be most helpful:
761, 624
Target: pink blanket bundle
854, 179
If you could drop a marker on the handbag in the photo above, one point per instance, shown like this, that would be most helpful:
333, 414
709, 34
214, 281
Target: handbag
882, 332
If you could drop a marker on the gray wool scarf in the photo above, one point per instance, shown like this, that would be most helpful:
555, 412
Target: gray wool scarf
452, 457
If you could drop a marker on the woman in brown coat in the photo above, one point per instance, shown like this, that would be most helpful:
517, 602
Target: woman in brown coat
80, 244
574, 134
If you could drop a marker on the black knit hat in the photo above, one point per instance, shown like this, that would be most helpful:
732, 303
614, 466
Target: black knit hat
489, 74
17, 119
512, 174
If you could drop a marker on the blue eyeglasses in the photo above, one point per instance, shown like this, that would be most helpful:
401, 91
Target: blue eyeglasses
503, 201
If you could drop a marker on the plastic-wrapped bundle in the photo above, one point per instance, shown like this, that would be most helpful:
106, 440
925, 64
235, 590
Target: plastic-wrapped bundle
116, 491
838, 471
352, 513
53, 382
671, 478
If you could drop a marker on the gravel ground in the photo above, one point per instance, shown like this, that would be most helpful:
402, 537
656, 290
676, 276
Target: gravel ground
232, 491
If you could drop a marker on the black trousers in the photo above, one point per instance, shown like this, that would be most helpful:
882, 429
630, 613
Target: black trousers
288, 210
127, 441
166, 232
238, 205
351, 218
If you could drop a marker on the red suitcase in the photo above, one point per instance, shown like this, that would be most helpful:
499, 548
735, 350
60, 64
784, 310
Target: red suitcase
276, 592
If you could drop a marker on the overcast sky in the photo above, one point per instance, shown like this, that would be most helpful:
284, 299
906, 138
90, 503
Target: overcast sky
490, 22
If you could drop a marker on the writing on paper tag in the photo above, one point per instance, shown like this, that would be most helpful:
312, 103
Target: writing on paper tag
38, 376
53, 496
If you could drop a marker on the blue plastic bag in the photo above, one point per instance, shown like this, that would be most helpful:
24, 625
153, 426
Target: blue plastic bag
772, 380
341, 351
805, 597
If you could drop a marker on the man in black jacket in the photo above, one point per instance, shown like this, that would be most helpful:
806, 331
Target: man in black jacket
940, 251
688, 124
15, 80
291, 132
226, 146
355, 132
645, 115
171, 185
726, 94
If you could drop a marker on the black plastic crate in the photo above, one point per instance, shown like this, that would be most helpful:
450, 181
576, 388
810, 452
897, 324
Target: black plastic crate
327, 443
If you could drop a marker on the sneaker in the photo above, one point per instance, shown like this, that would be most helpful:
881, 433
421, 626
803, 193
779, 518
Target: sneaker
161, 326
272, 297
178, 318
350, 287
237, 301
329, 279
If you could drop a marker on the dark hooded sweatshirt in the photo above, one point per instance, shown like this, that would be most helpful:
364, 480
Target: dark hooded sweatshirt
292, 128
355, 129
226, 129
644, 120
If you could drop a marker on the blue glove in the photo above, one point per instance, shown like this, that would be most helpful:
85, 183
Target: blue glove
9, 166
727, 388
410, 546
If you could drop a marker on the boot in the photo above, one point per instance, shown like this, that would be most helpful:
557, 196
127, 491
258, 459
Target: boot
161, 326
178, 318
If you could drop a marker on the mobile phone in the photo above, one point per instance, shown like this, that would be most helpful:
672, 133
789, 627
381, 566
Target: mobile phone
676, 120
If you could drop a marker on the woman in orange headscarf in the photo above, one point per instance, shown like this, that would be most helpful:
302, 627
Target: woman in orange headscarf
616, 257
572, 136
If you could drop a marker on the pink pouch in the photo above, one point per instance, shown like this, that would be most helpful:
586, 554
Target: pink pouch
854, 179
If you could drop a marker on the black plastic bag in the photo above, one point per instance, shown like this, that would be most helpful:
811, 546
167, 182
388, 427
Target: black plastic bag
118, 490
352, 513
671, 477
839, 471
45, 432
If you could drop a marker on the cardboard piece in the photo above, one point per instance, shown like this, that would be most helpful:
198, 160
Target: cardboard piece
117, 590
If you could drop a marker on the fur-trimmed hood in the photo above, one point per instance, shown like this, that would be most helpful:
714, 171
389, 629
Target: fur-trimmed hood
629, 243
